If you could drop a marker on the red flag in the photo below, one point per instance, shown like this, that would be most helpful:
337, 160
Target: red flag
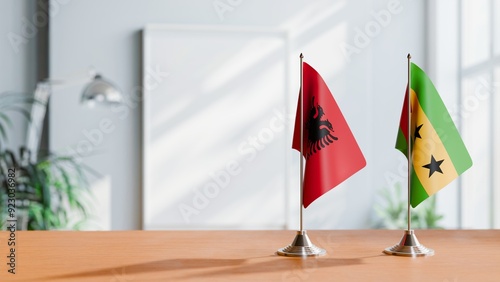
331, 152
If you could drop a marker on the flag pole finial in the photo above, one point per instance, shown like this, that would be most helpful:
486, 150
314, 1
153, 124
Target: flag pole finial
409, 56
301, 56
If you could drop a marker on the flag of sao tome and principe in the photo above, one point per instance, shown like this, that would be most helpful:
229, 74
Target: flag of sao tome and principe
438, 152
329, 148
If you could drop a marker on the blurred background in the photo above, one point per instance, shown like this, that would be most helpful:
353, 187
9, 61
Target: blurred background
202, 136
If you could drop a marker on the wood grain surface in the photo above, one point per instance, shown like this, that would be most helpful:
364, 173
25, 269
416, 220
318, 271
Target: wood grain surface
352, 255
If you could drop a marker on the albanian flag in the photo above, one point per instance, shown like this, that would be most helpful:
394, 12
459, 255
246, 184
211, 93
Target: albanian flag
438, 152
331, 152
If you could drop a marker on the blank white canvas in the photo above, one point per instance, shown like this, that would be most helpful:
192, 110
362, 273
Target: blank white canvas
214, 133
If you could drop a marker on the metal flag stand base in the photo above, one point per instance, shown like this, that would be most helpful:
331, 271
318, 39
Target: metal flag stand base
301, 247
409, 247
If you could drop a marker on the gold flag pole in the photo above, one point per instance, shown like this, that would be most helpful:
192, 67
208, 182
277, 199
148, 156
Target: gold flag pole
301, 245
409, 245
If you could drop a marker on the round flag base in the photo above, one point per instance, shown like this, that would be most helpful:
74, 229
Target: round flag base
301, 247
409, 247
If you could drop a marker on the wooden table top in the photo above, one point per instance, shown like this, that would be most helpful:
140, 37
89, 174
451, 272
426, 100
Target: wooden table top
352, 255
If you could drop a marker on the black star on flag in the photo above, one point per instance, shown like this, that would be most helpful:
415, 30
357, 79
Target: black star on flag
417, 132
434, 166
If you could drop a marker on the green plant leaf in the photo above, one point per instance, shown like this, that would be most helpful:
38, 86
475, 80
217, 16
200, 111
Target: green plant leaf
54, 186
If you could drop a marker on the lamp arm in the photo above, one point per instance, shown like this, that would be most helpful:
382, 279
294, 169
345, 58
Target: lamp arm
35, 126
80, 78
39, 109
98, 88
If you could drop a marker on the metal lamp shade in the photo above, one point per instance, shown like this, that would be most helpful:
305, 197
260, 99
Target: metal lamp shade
101, 91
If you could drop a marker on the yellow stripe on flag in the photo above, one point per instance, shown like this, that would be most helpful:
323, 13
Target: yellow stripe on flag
428, 145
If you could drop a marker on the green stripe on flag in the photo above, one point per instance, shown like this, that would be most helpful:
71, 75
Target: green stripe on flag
401, 144
436, 112
417, 193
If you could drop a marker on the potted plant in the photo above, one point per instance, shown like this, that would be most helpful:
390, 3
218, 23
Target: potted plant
48, 193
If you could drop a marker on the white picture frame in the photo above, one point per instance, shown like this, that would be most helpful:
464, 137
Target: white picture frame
216, 128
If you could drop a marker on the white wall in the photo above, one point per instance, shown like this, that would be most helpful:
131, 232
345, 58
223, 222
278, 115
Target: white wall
369, 87
17, 57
